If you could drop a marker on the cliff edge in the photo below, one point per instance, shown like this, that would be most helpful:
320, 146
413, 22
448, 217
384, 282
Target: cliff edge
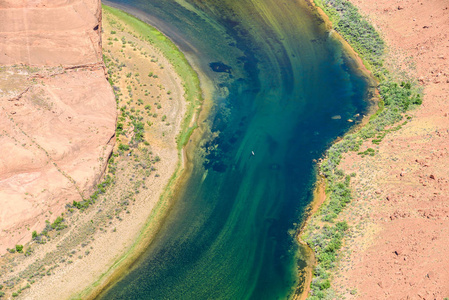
57, 114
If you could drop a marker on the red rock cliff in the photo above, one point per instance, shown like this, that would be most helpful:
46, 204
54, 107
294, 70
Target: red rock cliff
50, 32
57, 114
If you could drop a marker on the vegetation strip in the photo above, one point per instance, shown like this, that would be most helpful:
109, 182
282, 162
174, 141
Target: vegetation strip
325, 232
193, 96
191, 82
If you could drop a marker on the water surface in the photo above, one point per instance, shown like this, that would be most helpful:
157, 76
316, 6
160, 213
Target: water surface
279, 77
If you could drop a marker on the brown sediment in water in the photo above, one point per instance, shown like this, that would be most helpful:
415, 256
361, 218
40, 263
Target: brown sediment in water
308, 255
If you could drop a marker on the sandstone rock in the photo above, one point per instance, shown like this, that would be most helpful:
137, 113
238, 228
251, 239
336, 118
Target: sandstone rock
58, 132
38, 33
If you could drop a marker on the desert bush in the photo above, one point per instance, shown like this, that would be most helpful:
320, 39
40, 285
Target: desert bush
19, 248
123, 147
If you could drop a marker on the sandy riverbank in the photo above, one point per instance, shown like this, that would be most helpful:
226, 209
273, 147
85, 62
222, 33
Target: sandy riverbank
119, 225
399, 217
319, 196
401, 207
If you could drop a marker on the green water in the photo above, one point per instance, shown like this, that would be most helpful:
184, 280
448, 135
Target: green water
279, 78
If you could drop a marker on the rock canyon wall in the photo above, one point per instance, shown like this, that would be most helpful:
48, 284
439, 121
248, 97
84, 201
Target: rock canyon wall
57, 114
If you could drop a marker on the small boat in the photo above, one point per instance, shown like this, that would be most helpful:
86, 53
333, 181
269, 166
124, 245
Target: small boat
252, 152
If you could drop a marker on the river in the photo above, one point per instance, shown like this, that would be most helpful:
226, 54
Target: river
283, 90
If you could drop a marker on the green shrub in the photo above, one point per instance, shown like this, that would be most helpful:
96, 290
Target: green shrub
77, 204
28, 251
325, 284
19, 248
58, 224
119, 129
356, 29
123, 147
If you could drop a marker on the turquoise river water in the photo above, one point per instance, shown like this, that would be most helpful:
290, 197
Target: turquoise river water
279, 80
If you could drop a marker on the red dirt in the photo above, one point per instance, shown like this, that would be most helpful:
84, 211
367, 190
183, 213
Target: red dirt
400, 217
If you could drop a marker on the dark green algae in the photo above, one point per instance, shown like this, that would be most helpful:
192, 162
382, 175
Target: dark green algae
279, 77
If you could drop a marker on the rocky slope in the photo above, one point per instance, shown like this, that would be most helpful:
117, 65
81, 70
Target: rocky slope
57, 114
400, 217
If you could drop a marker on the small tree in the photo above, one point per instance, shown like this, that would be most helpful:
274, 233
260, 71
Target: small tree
19, 248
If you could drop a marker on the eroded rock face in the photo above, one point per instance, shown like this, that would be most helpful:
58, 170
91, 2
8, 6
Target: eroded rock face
57, 114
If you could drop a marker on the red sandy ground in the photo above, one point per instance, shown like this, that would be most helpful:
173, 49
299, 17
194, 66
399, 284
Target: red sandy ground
400, 242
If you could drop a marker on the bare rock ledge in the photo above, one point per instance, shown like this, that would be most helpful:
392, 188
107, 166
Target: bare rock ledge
57, 113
